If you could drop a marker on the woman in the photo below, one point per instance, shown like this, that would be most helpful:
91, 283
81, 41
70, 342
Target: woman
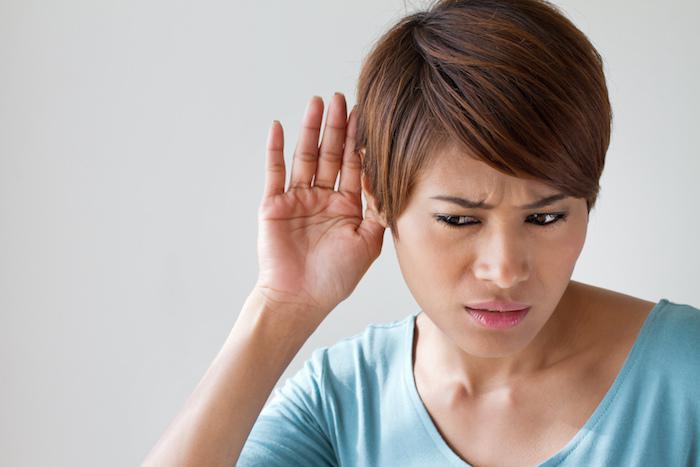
479, 139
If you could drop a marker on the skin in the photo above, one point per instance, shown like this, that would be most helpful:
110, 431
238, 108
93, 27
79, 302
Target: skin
530, 387
315, 244
505, 255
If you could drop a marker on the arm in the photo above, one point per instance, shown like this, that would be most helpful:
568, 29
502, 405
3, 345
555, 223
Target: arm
216, 420
313, 247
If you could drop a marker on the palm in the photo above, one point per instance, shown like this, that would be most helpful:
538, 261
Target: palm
313, 243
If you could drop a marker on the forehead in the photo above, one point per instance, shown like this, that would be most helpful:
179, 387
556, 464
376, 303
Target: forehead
459, 172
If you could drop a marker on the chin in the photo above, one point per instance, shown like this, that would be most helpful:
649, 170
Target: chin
482, 343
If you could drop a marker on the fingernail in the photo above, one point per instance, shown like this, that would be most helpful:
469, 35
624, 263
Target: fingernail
337, 93
308, 104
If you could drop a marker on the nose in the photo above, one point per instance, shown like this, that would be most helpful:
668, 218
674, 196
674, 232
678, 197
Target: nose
502, 258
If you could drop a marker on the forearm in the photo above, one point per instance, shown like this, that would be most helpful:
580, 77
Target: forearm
216, 420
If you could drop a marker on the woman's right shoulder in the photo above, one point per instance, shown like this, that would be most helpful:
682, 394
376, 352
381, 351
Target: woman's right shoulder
375, 351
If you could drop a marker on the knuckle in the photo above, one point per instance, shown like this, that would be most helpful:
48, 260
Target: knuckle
331, 154
276, 169
331, 126
312, 128
352, 164
305, 156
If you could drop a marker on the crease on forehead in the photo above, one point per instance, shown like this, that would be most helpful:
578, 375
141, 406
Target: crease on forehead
451, 172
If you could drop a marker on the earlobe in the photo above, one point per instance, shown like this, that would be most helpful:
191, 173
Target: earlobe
379, 217
371, 202
372, 211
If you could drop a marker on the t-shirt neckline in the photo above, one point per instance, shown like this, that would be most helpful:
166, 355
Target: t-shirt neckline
587, 428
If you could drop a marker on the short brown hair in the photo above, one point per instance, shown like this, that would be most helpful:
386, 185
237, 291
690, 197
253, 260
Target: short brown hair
512, 83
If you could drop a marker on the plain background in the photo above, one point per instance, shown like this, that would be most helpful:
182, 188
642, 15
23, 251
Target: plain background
132, 139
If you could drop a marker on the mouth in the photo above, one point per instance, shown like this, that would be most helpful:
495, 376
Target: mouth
497, 319
496, 311
497, 305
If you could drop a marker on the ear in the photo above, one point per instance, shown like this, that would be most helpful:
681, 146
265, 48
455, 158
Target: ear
371, 201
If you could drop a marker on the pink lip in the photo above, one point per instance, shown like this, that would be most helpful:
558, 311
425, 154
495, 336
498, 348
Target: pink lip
498, 305
497, 319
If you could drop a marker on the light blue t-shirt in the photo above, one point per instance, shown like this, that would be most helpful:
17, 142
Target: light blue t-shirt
355, 403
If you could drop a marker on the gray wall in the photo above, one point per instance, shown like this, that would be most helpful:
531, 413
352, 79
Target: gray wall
132, 140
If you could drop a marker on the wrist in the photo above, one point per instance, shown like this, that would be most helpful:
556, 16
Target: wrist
285, 322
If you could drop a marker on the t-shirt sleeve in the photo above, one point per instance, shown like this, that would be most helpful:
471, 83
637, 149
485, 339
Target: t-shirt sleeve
291, 429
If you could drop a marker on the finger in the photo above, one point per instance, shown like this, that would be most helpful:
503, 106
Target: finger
351, 170
275, 171
331, 151
306, 152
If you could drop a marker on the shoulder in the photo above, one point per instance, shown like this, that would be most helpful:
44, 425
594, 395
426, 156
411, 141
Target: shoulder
665, 333
666, 330
335, 374
608, 301
676, 326
352, 360
672, 325
612, 320
666, 357
377, 347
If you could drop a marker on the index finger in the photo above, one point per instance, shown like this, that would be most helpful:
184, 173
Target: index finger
275, 171
351, 169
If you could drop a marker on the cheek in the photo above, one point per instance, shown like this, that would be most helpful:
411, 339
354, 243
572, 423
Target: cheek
427, 262
430, 250
564, 250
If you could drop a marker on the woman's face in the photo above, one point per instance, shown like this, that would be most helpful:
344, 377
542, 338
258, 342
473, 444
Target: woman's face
500, 254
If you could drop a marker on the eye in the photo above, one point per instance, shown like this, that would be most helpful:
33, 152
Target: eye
452, 221
553, 217
547, 219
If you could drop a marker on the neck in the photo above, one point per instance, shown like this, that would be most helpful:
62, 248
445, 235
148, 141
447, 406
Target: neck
471, 375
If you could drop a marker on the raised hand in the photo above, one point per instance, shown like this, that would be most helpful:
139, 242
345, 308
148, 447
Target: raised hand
314, 245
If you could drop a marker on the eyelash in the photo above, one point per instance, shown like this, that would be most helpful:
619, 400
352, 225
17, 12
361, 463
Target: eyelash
558, 217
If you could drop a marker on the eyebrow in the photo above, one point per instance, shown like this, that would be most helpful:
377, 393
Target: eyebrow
469, 204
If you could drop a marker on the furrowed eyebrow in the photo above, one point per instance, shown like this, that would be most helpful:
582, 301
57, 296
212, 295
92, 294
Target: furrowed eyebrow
469, 204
